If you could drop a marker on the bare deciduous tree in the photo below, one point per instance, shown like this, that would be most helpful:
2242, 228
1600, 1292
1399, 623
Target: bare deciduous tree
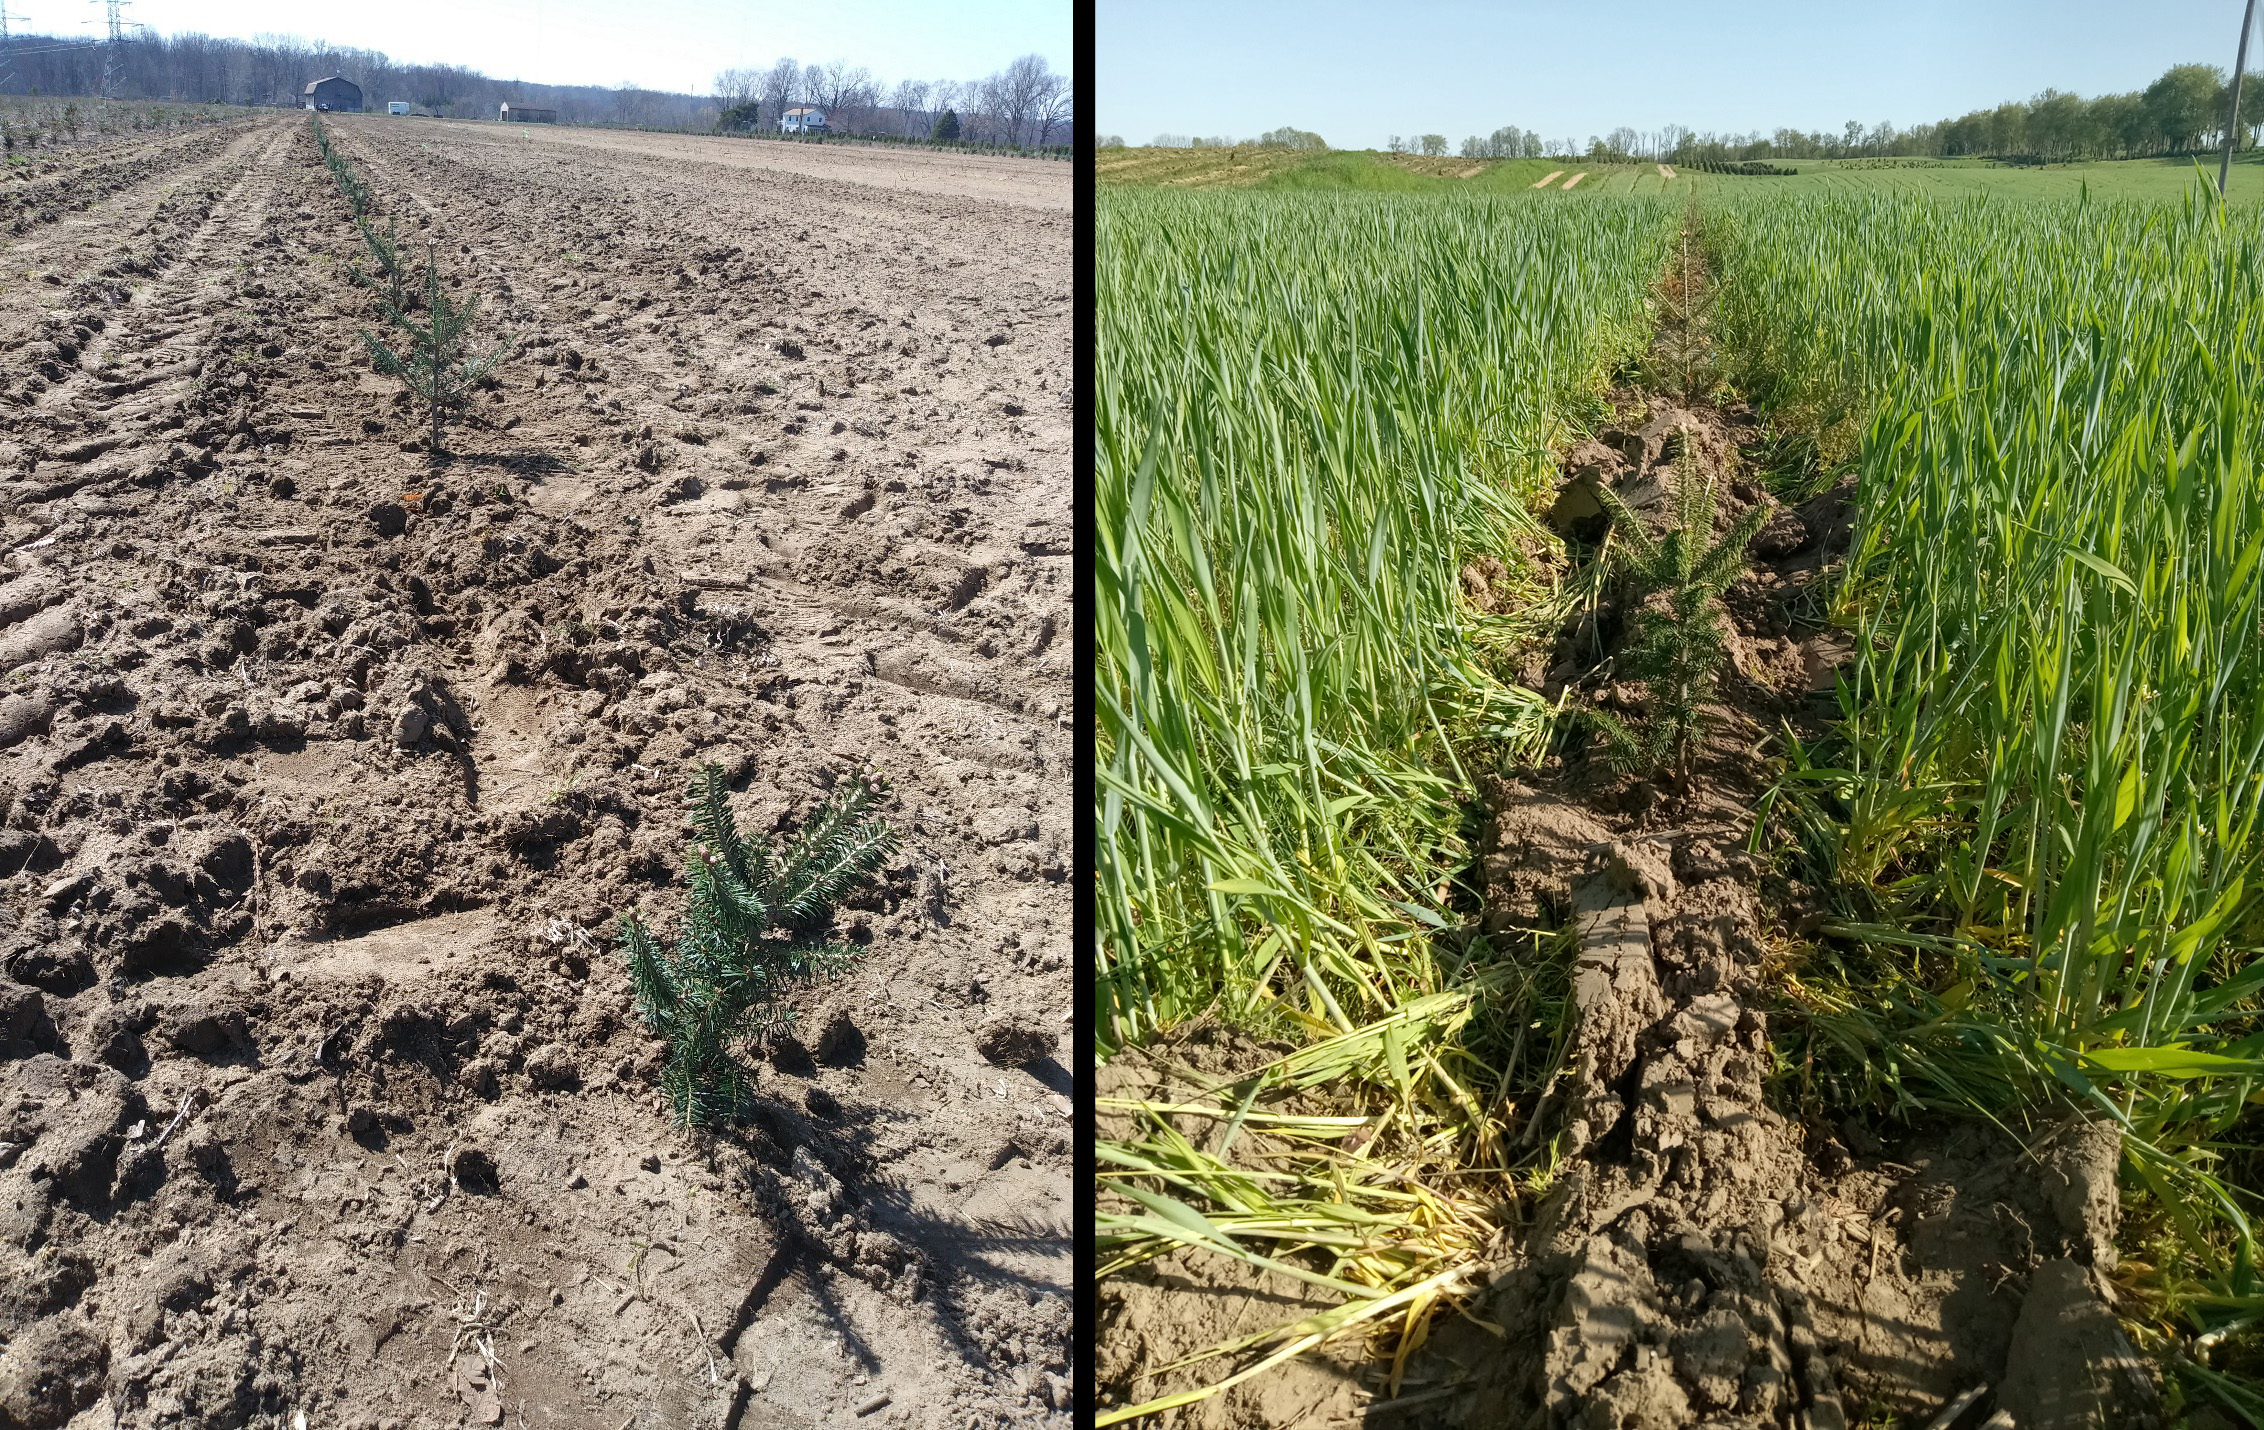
737, 86
782, 85
1017, 95
1053, 121
910, 100
838, 85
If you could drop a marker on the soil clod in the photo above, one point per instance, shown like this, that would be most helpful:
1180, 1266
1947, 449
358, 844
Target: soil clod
1015, 1041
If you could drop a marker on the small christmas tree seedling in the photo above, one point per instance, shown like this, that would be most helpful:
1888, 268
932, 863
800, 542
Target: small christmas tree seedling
753, 933
390, 280
434, 361
1678, 648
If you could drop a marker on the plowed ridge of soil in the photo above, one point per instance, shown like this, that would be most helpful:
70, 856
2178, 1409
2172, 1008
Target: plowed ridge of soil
325, 772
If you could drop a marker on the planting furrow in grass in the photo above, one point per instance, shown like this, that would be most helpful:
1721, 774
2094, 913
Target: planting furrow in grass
1891, 795
1686, 1259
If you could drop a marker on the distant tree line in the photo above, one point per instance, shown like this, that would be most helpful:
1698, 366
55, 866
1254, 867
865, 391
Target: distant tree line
1511, 142
275, 69
1023, 104
1026, 103
2183, 112
1283, 138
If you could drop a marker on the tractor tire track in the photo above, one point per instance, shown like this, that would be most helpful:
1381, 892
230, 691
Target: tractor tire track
148, 319
34, 266
105, 175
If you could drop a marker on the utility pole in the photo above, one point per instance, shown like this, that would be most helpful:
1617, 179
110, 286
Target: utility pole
2232, 125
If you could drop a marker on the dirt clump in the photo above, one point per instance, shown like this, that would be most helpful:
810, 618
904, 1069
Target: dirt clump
1012, 1042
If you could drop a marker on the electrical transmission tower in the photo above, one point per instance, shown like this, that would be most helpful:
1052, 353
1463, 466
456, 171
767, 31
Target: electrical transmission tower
114, 53
7, 56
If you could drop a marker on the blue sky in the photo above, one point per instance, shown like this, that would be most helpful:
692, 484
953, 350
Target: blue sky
1357, 74
659, 44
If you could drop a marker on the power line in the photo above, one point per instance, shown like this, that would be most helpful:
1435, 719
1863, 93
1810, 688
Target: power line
11, 51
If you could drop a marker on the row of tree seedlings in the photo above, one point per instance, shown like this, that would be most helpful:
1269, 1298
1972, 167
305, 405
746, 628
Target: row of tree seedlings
431, 352
757, 922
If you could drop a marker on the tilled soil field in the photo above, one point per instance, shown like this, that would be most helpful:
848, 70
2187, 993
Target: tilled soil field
326, 771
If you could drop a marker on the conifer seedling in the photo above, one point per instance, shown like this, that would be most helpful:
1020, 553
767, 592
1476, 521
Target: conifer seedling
434, 360
1678, 649
753, 933
390, 279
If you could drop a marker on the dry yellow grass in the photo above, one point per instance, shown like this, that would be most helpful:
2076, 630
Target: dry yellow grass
1192, 168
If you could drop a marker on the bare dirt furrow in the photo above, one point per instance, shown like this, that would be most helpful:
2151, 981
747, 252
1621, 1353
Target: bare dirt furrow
90, 231
86, 182
326, 768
